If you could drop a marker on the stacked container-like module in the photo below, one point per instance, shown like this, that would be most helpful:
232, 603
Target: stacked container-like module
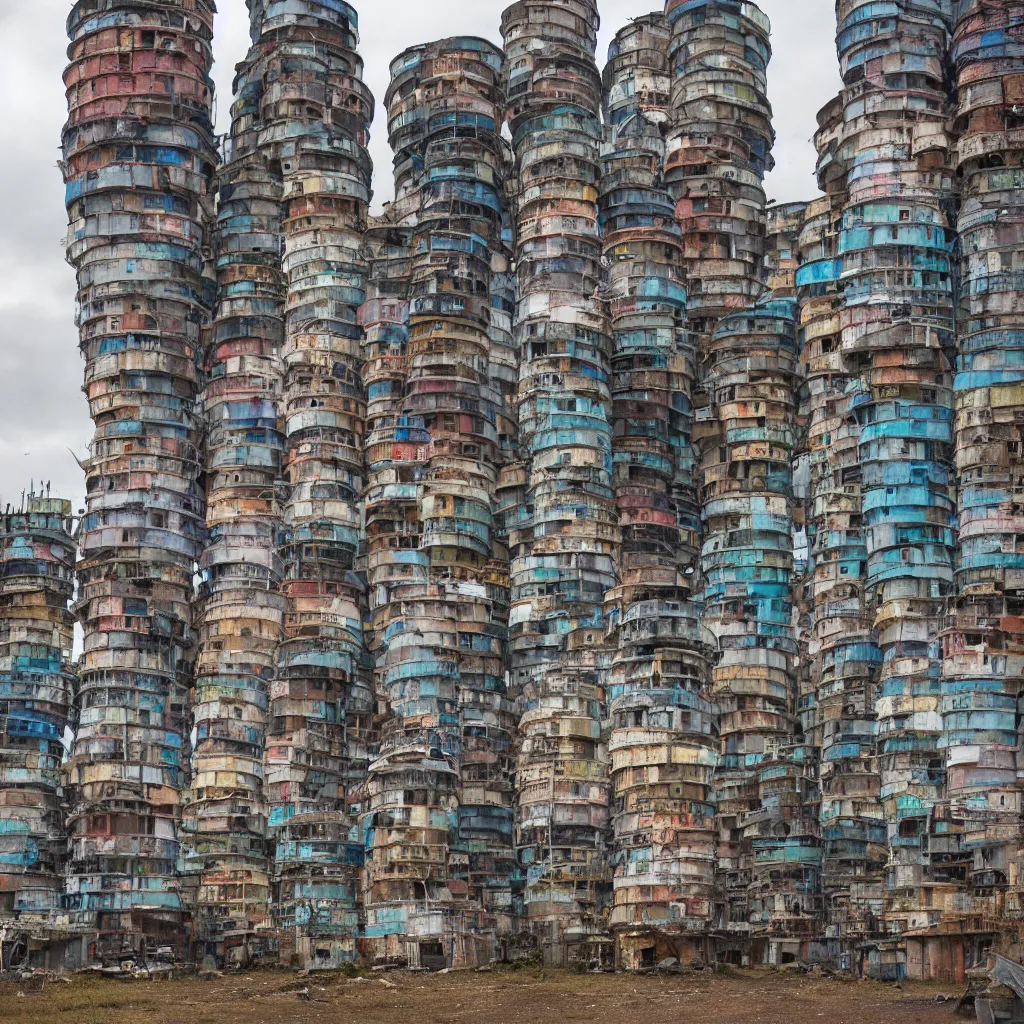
138, 158
663, 742
240, 595
439, 821
317, 111
37, 692
897, 329
982, 638
565, 537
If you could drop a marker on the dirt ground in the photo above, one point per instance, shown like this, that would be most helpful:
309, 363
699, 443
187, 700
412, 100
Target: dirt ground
532, 996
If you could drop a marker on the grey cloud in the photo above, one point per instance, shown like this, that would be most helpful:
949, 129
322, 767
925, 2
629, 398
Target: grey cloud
42, 408
803, 77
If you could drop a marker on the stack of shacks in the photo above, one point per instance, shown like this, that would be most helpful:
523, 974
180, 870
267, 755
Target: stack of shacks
283, 703
564, 538
462, 380
842, 650
317, 113
719, 147
489, 735
138, 159
982, 635
785, 900
37, 692
571, 550
662, 741
240, 600
769, 852
395, 567
509, 495
781, 262
439, 839
897, 336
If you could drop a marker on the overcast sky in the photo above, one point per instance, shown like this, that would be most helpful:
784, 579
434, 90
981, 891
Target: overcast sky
43, 412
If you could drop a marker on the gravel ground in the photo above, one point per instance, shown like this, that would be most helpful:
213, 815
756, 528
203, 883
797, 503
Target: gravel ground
502, 996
